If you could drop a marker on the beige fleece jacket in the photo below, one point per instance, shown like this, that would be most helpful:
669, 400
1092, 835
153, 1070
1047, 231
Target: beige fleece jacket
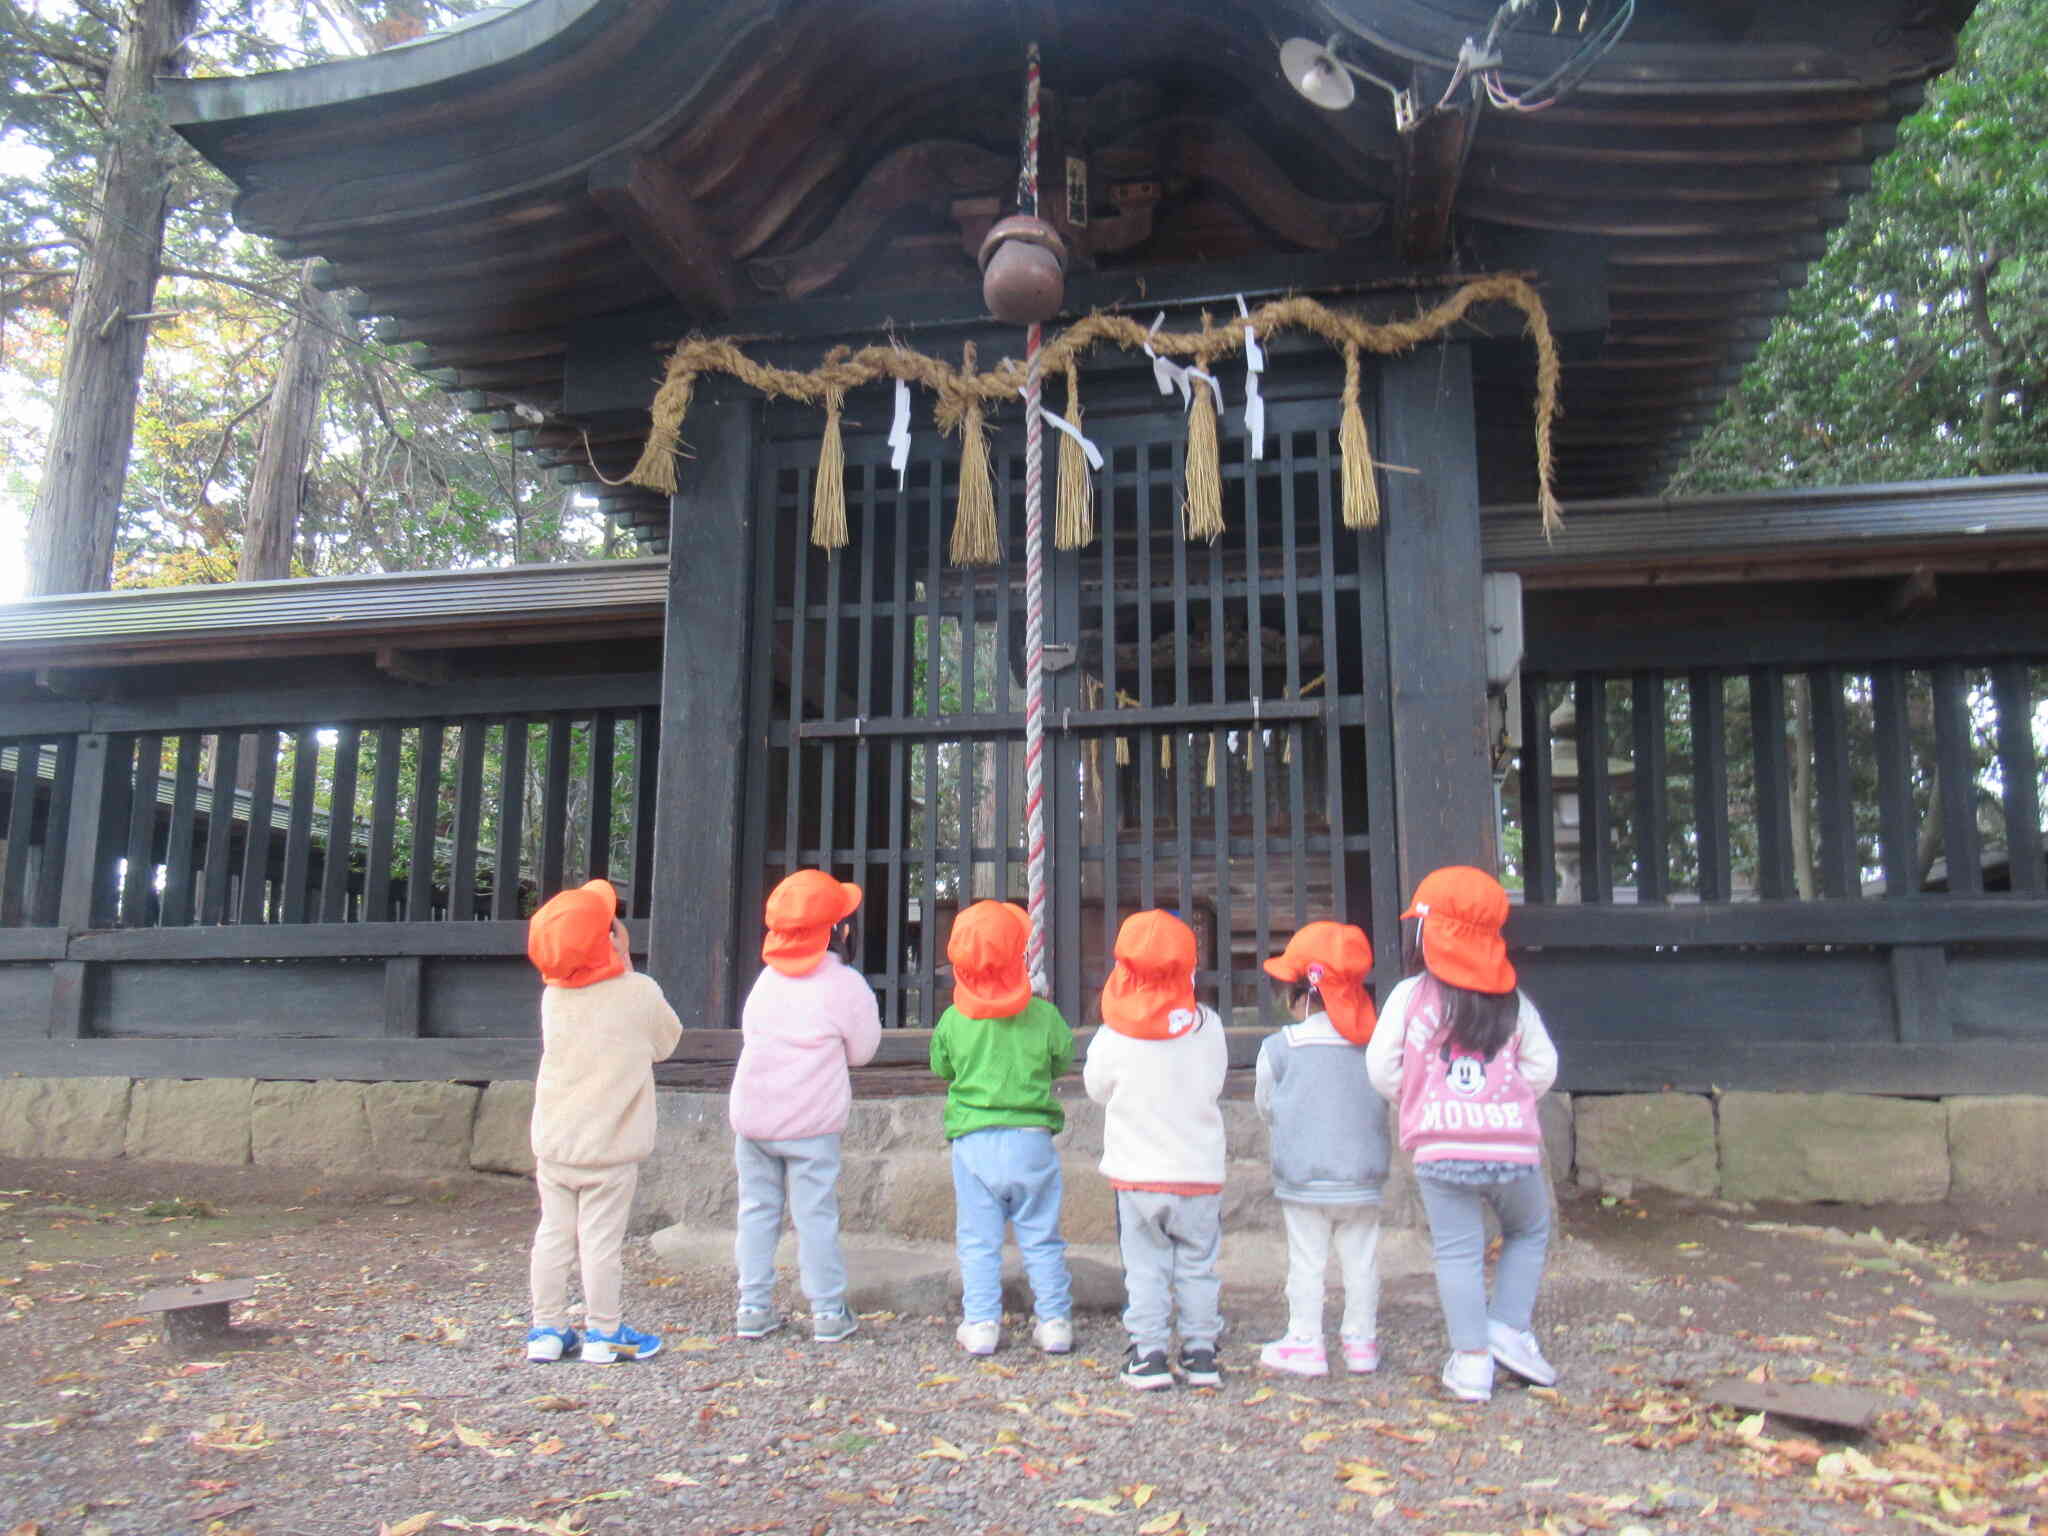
593, 1102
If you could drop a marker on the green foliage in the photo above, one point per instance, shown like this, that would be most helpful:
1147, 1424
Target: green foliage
399, 477
1919, 346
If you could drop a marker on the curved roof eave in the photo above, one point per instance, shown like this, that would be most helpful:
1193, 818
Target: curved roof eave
511, 37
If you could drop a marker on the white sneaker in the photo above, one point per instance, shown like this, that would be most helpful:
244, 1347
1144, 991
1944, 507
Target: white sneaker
1469, 1377
1054, 1335
1516, 1349
979, 1338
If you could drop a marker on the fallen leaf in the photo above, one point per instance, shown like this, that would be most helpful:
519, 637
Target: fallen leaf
1258, 1397
1140, 1494
551, 1403
1106, 1505
694, 1345
409, 1527
1159, 1525
1314, 1439
942, 1449
676, 1480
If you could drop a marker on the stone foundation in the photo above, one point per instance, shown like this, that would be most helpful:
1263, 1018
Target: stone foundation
1852, 1148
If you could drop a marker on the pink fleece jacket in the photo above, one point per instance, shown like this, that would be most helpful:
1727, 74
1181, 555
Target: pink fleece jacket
799, 1036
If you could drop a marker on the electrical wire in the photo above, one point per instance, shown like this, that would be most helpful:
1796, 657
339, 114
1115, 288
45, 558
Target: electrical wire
1481, 62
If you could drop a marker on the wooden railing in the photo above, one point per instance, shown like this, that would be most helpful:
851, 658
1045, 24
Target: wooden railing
373, 818
1776, 783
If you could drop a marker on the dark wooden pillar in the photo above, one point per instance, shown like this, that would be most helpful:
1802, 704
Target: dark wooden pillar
694, 934
1436, 636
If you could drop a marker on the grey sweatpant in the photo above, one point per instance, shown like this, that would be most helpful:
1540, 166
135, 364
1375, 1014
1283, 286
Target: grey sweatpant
1170, 1243
803, 1174
1457, 1230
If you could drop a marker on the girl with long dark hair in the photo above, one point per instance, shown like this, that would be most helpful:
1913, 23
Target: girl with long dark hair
1464, 1057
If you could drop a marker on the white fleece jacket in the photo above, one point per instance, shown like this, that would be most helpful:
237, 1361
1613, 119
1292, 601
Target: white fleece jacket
1160, 1122
593, 1099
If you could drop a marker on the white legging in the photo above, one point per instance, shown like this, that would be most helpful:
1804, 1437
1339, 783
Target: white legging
1312, 1230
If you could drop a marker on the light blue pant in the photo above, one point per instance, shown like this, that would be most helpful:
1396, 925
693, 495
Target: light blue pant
1009, 1173
1170, 1243
1457, 1229
808, 1170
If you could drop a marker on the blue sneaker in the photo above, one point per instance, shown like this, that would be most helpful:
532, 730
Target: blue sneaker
546, 1345
623, 1343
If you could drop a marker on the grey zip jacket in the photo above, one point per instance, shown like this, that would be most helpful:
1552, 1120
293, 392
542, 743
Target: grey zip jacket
1329, 1124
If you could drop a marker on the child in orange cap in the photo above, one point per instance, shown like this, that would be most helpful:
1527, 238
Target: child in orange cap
1000, 1050
1157, 1068
809, 1017
602, 1028
1464, 1057
1329, 1136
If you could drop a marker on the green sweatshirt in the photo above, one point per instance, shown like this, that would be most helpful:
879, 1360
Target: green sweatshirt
1001, 1071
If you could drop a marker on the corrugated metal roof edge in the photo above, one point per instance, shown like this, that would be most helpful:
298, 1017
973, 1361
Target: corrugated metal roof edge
335, 603
1929, 512
1933, 511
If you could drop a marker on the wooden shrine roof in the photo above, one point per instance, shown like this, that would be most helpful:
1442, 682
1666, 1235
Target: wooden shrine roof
522, 196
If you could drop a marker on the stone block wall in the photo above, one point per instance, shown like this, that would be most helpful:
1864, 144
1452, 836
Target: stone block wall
1851, 1148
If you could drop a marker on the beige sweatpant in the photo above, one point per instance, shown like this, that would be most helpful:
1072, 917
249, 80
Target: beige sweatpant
582, 1212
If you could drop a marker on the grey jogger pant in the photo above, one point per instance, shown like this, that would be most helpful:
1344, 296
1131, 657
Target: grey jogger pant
1170, 1243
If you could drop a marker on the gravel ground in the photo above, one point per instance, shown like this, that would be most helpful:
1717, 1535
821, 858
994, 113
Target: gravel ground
376, 1385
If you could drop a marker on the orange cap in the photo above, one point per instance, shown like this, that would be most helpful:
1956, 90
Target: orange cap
1463, 911
1335, 959
569, 939
1150, 995
986, 948
802, 912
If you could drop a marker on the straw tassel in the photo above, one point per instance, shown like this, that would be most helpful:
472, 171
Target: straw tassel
656, 468
1361, 485
828, 495
1205, 468
975, 539
1074, 517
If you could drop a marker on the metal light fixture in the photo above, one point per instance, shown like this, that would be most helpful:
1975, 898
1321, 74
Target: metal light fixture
1317, 73
1323, 76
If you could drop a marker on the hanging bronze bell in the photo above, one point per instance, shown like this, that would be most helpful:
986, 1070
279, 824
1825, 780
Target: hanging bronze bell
1023, 270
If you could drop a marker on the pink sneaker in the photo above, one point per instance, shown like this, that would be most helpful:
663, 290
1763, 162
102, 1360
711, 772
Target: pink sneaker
1361, 1355
1297, 1357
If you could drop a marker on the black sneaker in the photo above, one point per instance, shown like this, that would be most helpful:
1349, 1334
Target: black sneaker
1200, 1368
1148, 1373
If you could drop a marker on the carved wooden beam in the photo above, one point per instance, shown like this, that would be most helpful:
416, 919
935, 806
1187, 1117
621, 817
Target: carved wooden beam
1432, 163
1216, 151
928, 175
646, 201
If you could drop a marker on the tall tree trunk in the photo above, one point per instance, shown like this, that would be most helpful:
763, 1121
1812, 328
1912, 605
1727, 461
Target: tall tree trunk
71, 529
1800, 697
277, 489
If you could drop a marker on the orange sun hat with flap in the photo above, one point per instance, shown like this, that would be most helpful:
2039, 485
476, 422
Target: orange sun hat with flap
1335, 959
986, 950
1150, 995
569, 940
802, 912
1462, 912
